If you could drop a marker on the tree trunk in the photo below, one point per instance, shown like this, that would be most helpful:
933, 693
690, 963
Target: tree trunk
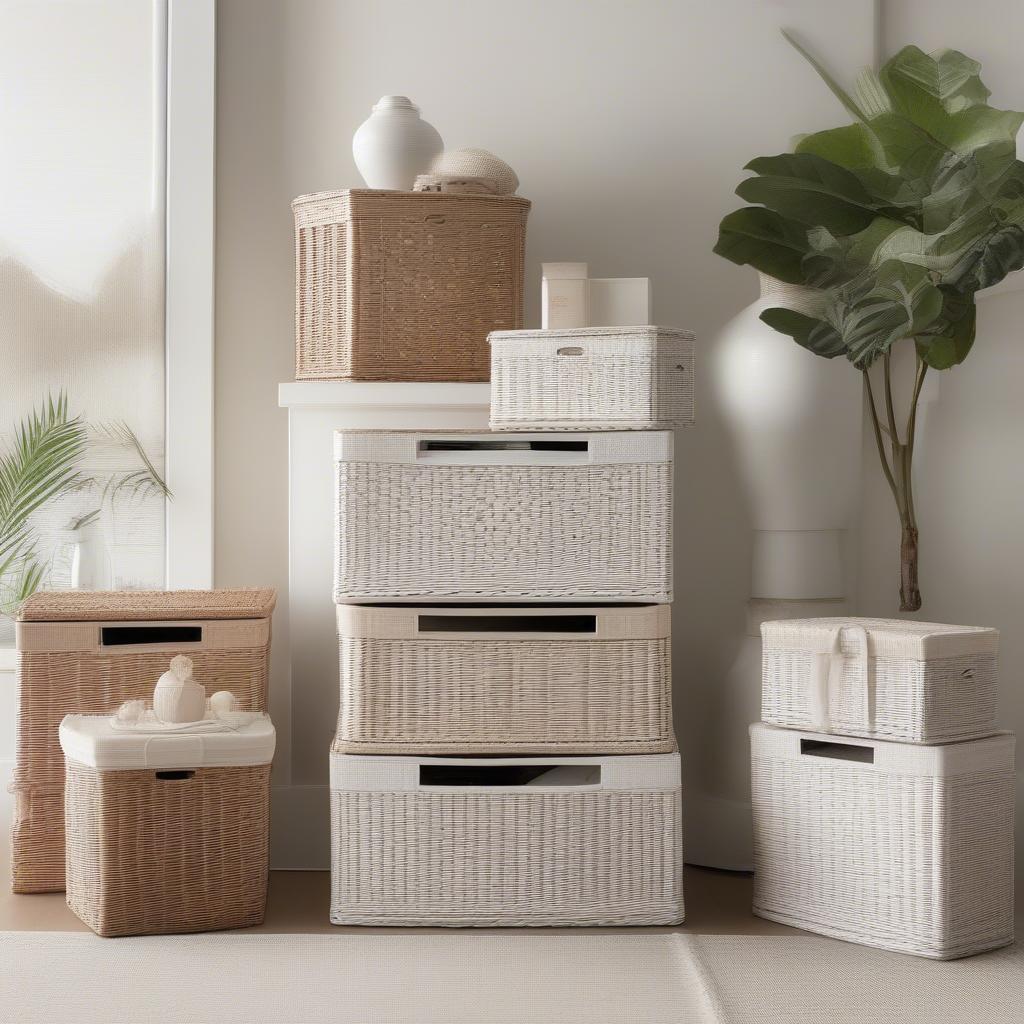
910, 595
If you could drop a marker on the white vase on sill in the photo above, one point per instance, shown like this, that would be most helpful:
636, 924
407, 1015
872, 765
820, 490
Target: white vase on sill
394, 144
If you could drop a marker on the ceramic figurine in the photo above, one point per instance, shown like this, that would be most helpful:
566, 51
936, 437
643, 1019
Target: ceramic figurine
178, 697
394, 144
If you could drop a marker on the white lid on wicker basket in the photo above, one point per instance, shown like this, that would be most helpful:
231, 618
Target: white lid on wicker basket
94, 741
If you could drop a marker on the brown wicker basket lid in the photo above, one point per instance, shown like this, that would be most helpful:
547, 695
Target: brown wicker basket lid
130, 605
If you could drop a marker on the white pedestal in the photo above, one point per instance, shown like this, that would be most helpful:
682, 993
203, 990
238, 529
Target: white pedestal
304, 705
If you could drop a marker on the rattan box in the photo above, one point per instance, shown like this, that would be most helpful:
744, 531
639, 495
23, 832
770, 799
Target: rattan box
83, 652
505, 680
169, 832
463, 516
506, 842
917, 682
901, 846
405, 285
594, 378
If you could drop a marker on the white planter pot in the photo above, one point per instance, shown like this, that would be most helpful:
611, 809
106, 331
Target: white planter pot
394, 144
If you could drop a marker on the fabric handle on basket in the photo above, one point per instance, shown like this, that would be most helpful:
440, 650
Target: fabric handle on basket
827, 678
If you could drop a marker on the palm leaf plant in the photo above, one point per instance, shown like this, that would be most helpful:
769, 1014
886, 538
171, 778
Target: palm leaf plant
897, 219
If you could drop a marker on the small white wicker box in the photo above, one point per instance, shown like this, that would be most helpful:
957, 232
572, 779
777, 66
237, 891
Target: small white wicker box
917, 682
505, 680
593, 378
892, 845
506, 842
463, 516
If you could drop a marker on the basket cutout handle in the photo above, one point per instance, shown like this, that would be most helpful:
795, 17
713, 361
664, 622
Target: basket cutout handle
838, 751
509, 776
174, 774
131, 636
550, 623
434, 218
570, 350
509, 445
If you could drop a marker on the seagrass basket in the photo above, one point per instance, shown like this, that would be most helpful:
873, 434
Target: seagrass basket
504, 680
405, 285
167, 833
900, 846
916, 682
83, 652
594, 378
463, 516
506, 842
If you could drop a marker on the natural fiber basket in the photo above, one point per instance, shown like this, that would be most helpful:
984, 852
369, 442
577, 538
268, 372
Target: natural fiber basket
504, 680
506, 842
917, 682
594, 378
88, 652
405, 285
166, 833
468, 517
888, 844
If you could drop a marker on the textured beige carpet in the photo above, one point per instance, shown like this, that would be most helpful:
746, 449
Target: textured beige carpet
485, 977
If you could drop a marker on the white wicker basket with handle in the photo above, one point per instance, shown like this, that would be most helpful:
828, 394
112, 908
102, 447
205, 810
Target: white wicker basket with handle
918, 682
506, 842
892, 845
463, 516
593, 378
504, 679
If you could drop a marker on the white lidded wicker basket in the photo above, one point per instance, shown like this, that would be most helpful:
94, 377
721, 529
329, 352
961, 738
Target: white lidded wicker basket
900, 846
463, 516
917, 682
508, 680
506, 842
592, 378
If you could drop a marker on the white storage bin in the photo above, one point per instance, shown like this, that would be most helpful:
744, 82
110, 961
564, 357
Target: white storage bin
462, 516
505, 680
893, 845
506, 841
917, 682
593, 378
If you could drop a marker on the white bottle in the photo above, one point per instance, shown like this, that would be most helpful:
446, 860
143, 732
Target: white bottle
394, 144
178, 697
563, 303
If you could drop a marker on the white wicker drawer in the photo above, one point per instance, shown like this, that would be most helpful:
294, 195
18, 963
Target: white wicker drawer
468, 516
504, 680
594, 378
887, 844
595, 841
917, 682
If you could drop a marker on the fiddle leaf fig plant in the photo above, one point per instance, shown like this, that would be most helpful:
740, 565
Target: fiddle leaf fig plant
897, 219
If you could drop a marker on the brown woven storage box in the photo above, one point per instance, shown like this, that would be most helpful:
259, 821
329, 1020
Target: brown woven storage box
76, 655
405, 285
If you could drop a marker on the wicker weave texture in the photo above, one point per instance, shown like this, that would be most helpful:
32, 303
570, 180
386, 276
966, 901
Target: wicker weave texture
157, 605
886, 854
149, 855
635, 378
405, 285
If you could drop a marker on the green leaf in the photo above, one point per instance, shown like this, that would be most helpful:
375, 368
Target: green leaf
813, 334
946, 76
766, 241
947, 342
851, 146
987, 264
837, 90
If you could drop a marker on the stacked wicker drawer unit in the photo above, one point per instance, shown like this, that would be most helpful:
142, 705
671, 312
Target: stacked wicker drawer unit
883, 792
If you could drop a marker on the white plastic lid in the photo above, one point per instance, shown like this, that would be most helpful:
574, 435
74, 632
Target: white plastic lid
93, 741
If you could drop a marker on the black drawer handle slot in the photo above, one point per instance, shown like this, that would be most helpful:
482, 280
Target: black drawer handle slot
509, 775
507, 623
124, 636
174, 776
504, 446
838, 751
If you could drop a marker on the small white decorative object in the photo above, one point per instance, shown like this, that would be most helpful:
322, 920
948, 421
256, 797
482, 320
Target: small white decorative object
178, 697
131, 711
618, 301
394, 144
224, 703
476, 163
563, 296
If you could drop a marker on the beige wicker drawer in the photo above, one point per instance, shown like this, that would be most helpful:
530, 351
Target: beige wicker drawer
504, 680
917, 682
87, 653
405, 285
506, 842
481, 516
594, 378
888, 844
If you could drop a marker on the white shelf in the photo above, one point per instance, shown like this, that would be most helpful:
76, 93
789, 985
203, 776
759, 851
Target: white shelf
373, 394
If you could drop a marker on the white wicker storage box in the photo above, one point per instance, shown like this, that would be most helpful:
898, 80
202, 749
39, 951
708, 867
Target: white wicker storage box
462, 516
888, 844
506, 841
593, 378
505, 680
917, 682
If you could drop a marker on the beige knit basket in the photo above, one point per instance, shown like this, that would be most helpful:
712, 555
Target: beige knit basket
917, 682
469, 517
86, 653
594, 378
405, 285
505, 842
504, 680
893, 845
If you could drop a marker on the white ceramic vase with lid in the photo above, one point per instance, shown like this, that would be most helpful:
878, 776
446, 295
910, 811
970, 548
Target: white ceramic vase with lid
394, 144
